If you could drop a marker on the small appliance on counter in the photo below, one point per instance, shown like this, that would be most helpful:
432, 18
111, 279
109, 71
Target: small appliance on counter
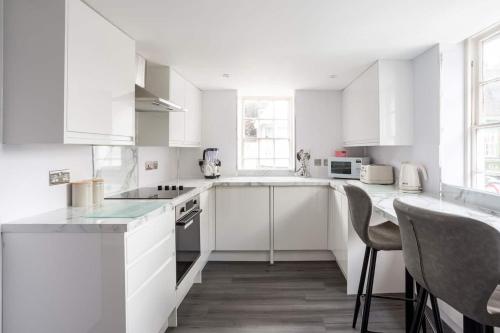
210, 164
346, 167
377, 174
409, 180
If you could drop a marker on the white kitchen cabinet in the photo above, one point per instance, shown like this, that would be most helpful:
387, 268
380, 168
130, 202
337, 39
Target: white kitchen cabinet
242, 218
300, 217
91, 281
377, 107
78, 71
207, 221
192, 137
338, 231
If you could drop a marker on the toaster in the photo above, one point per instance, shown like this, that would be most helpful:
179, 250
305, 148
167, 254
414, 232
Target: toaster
376, 174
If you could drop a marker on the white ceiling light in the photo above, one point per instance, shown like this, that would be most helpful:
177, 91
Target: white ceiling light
226, 75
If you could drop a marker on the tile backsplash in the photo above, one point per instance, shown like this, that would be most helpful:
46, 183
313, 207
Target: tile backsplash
117, 166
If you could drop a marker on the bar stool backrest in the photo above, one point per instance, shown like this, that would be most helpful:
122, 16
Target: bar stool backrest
360, 211
457, 259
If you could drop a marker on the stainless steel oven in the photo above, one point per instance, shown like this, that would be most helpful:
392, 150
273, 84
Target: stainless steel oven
187, 235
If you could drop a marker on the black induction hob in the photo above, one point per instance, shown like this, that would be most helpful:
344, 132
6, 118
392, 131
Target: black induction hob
160, 192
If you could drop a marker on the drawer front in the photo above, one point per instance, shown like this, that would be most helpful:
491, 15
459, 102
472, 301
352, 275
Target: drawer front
149, 307
151, 233
143, 269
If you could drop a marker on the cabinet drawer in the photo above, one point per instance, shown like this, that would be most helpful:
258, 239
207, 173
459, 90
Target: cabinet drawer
148, 309
144, 268
154, 230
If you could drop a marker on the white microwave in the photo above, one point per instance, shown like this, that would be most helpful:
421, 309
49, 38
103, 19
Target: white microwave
346, 167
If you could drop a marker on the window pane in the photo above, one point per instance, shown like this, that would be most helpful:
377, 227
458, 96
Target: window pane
266, 163
266, 110
266, 129
282, 149
250, 149
251, 109
491, 58
250, 128
281, 109
490, 110
250, 164
266, 149
488, 159
281, 129
282, 163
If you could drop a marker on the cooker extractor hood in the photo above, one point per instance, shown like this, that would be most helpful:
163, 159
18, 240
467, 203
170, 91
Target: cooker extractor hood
146, 101
153, 86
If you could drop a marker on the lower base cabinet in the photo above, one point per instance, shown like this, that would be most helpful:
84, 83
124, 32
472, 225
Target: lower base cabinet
97, 282
242, 215
300, 217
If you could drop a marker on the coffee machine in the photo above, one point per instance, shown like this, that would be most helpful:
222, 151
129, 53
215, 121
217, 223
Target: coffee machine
210, 164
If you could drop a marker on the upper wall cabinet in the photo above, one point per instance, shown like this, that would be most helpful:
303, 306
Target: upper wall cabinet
69, 75
377, 107
174, 129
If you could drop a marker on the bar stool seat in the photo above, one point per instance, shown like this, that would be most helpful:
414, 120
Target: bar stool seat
385, 236
382, 237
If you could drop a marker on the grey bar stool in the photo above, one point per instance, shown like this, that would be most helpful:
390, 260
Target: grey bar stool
456, 259
381, 237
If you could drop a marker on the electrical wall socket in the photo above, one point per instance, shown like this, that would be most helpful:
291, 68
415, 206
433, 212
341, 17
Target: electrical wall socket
151, 165
58, 177
317, 162
325, 162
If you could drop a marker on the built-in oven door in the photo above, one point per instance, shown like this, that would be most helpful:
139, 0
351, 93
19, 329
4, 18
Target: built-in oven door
341, 169
187, 242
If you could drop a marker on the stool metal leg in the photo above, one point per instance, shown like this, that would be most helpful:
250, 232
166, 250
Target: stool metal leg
369, 291
361, 286
419, 311
435, 312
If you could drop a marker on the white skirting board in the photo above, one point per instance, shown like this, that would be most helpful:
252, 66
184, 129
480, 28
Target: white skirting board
265, 256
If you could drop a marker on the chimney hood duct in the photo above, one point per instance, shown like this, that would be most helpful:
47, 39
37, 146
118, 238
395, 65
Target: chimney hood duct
146, 101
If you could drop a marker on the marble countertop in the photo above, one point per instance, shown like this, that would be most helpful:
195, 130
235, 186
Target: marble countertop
73, 219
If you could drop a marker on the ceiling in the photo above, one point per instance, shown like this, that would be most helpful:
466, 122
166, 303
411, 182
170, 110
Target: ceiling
290, 44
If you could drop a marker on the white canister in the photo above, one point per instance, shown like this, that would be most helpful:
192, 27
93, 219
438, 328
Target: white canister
81, 193
98, 191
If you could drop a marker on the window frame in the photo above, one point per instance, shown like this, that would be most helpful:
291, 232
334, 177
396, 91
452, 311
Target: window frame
474, 82
241, 137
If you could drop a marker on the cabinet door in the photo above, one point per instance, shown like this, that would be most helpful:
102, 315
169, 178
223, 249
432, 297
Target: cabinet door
193, 116
149, 307
100, 75
340, 229
360, 111
242, 218
177, 88
205, 224
211, 198
300, 218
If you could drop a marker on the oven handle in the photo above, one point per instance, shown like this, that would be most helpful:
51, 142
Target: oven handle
186, 221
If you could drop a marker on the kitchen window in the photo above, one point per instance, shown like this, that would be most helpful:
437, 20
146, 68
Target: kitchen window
265, 133
484, 138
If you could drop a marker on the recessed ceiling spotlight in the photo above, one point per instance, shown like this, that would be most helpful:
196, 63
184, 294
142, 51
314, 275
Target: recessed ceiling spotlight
226, 75
332, 76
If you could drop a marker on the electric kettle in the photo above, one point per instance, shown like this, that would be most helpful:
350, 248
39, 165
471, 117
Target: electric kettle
409, 180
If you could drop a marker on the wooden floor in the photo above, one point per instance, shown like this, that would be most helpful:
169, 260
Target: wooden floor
291, 297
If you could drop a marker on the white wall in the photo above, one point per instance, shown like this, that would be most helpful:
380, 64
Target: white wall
317, 129
425, 148
318, 125
167, 165
452, 140
219, 117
